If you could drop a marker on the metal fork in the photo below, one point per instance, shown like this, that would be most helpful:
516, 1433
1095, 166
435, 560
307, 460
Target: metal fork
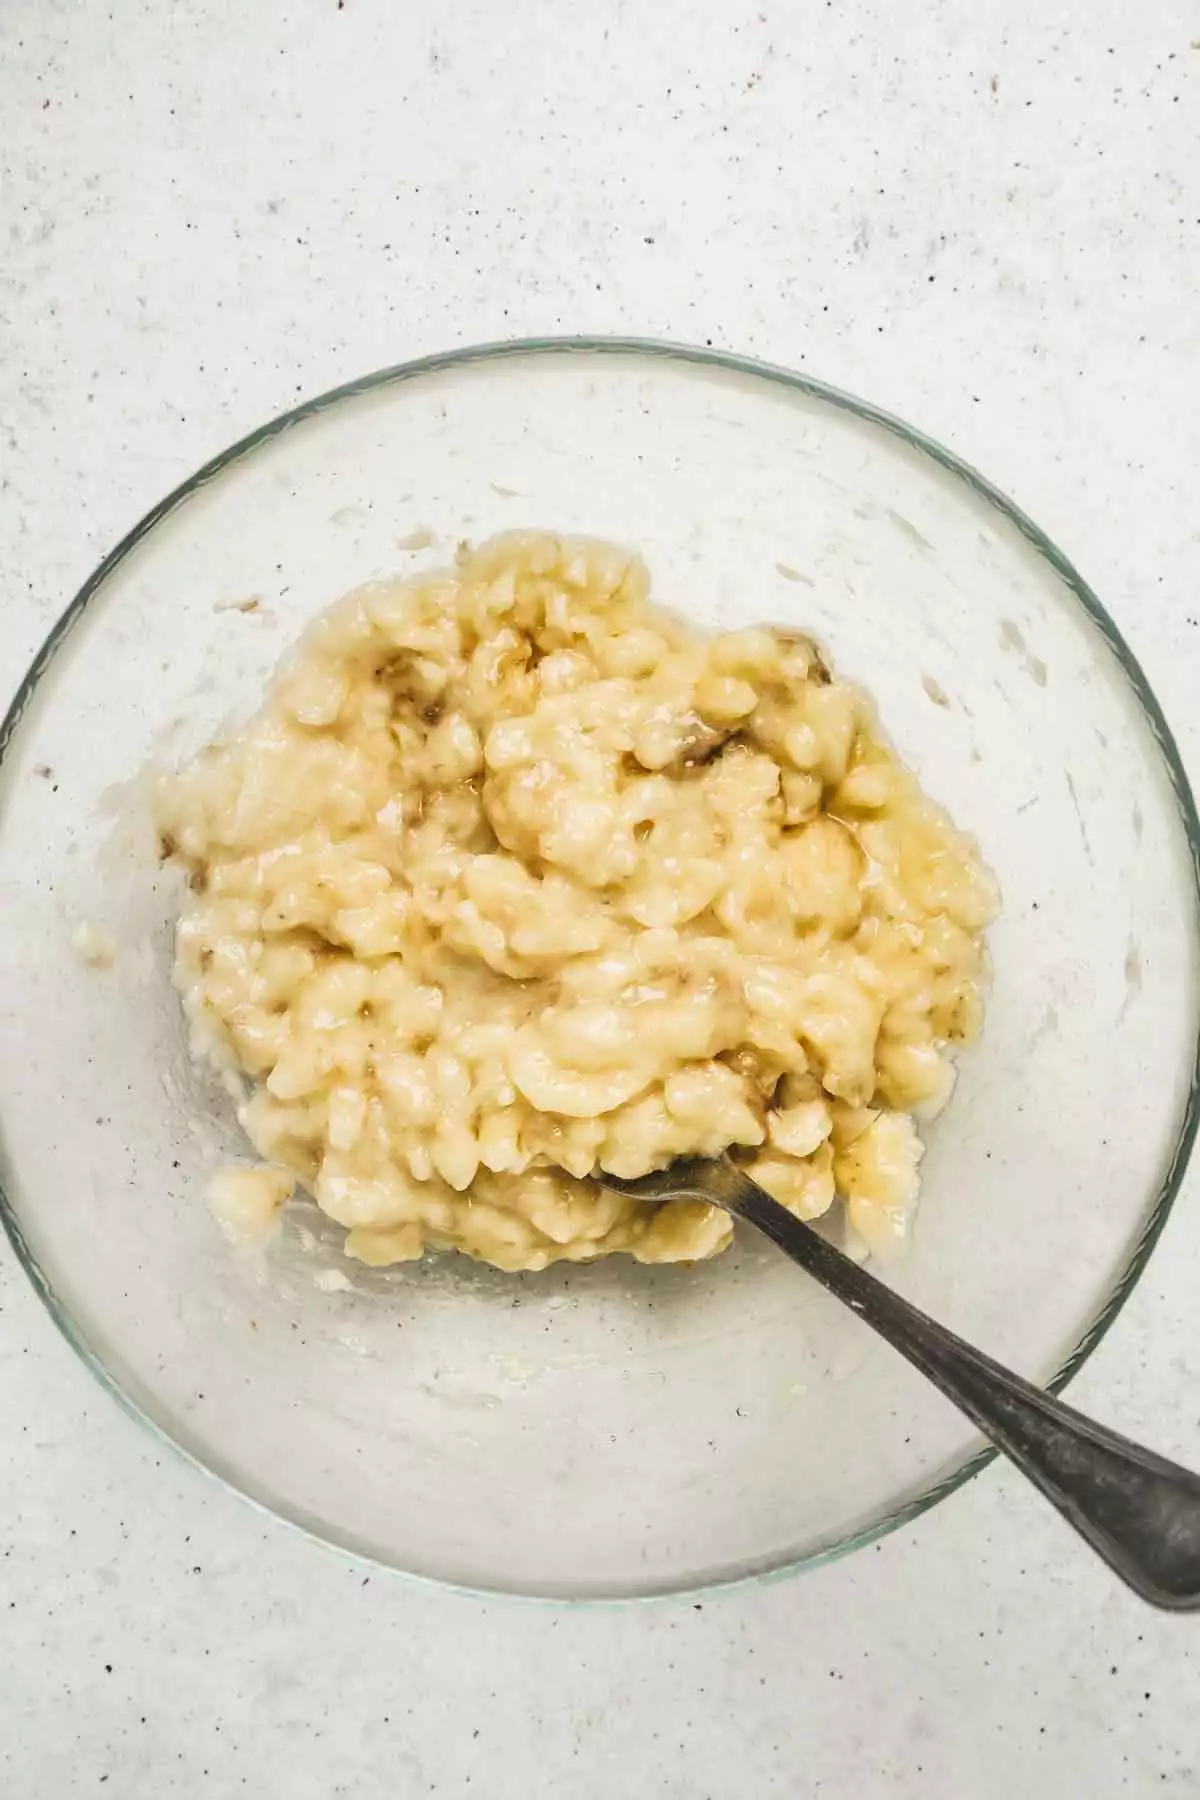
1138, 1511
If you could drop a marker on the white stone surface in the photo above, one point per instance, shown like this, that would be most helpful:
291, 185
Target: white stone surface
986, 219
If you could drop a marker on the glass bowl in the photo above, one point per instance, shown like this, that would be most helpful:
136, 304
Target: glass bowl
612, 1430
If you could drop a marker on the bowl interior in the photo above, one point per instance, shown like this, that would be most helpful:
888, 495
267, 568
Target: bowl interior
609, 1430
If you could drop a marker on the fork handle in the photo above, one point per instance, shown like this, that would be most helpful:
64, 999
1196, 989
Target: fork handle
1140, 1512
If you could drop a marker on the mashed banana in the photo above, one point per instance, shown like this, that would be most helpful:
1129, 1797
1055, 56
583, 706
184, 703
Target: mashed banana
516, 878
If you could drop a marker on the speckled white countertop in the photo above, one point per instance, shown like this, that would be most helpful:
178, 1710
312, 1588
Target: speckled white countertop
986, 220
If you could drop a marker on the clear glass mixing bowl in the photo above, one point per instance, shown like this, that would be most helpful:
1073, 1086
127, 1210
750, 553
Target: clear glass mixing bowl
610, 1430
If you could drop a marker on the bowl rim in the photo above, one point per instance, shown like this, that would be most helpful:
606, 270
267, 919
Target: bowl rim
702, 357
